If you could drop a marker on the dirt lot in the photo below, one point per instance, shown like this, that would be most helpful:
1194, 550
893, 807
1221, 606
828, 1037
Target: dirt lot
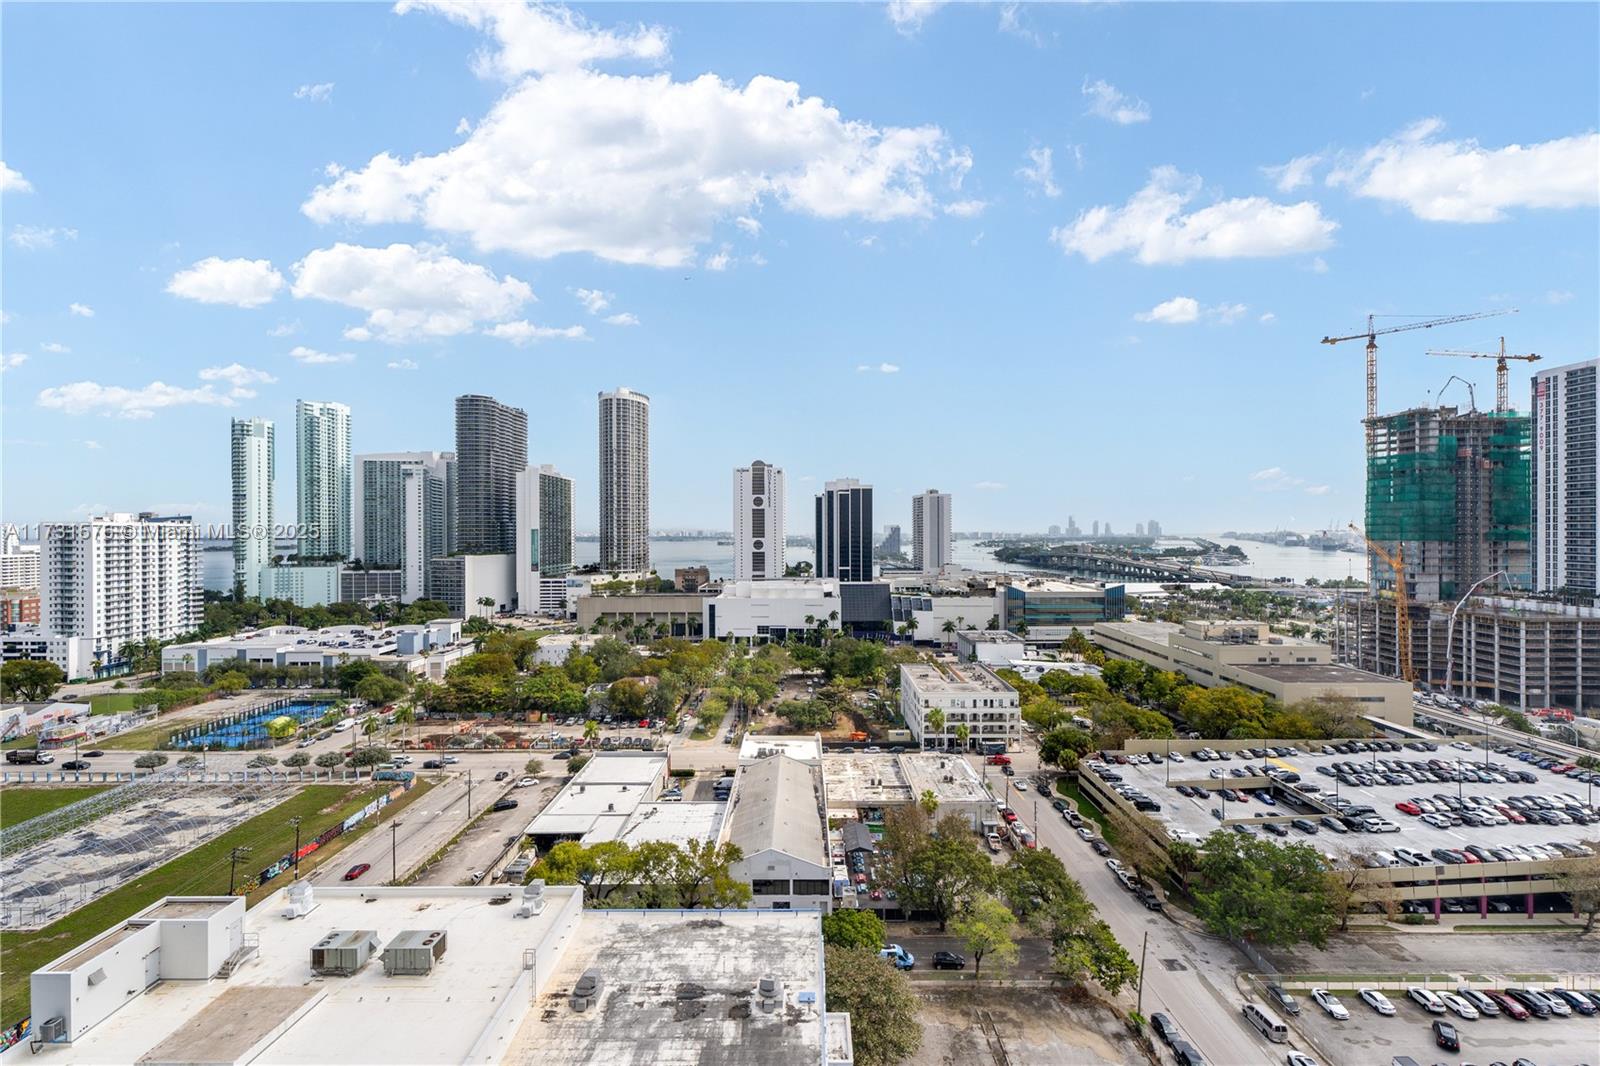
1009, 1026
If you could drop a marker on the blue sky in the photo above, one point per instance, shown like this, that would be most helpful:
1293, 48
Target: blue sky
1052, 259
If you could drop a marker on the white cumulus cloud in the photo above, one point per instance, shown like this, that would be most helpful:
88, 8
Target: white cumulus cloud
409, 292
1462, 181
13, 360
1176, 311
625, 318
80, 310
1291, 175
881, 368
12, 181
1112, 104
523, 332
540, 38
317, 94
909, 15
636, 169
402, 364
1040, 171
35, 238
749, 225
311, 357
241, 380
54, 348
593, 300
1153, 228
239, 282
91, 397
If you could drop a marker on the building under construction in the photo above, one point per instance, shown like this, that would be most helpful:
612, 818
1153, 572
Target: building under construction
1453, 490
1521, 652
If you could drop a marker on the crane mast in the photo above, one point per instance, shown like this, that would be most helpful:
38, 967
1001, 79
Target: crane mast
1396, 561
1502, 391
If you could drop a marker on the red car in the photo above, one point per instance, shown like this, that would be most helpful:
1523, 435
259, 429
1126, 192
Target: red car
1508, 1006
1009, 815
1408, 807
357, 870
1563, 768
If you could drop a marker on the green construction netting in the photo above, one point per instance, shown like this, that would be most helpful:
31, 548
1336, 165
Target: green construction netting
1511, 482
1413, 496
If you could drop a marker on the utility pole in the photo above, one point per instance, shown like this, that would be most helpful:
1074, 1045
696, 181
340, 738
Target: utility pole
295, 821
469, 794
233, 865
394, 845
1142, 949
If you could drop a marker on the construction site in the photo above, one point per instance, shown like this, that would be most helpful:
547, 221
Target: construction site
1450, 536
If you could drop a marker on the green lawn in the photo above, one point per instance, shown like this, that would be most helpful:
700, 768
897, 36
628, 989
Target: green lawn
19, 803
203, 871
113, 702
1069, 788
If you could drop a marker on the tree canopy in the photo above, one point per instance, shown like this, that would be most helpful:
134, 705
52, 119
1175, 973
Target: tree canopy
853, 928
1258, 890
882, 1006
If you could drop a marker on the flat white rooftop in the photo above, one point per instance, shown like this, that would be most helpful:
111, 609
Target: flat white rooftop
678, 989
953, 678
804, 748
368, 1017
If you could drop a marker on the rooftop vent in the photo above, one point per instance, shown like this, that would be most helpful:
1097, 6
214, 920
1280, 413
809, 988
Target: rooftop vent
586, 991
414, 952
769, 993
343, 951
532, 899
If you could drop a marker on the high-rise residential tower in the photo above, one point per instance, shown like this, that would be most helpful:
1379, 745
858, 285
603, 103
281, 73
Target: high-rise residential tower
491, 449
758, 522
544, 538
625, 480
932, 536
322, 478
400, 513
120, 578
253, 525
1566, 479
844, 530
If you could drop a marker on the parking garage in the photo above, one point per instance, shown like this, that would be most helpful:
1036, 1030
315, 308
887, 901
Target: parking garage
1474, 834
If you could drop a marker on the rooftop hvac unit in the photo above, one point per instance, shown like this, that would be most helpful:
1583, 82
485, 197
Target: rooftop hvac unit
769, 992
586, 991
52, 1031
532, 899
413, 952
302, 901
343, 951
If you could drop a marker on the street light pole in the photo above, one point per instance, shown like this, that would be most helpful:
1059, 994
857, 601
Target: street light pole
295, 821
1450, 630
469, 794
394, 863
1143, 948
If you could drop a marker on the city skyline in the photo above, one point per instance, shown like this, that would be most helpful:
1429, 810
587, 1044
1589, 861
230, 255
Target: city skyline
1061, 213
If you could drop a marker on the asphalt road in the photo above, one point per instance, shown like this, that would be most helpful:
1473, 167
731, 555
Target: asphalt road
1190, 978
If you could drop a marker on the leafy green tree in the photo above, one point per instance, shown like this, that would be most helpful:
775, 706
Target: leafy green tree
533, 767
988, 928
1076, 643
1258, 890
929, 802
591, 732
626, 696
297, 760
806, 715
576, 763
329, 759
1582, 886
378, 689
150, 761
581, 668
1122, 676
701, 871
1063, 685
613, 658
1087, 949
551, 690
261, 762
1064, 746
853, 928
370, 757
949, 870
963, 737
31, 680
882, 1006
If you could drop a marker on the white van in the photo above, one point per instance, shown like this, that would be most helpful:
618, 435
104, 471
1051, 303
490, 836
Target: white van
1267, 1022
344, 725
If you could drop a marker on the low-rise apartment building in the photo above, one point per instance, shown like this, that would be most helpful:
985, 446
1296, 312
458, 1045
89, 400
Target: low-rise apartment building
966, 694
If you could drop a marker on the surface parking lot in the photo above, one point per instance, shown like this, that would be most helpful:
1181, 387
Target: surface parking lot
1192, 816
1369, 1038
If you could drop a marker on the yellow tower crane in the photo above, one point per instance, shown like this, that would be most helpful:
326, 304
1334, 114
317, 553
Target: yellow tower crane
1371, 337
1502, 395
1396, 561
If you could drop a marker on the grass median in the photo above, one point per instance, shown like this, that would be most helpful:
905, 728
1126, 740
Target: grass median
1069, 788
201, 872
18, 803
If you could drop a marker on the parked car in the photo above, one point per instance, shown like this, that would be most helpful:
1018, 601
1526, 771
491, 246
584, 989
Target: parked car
949, 960
504, 804
502, 775
432, 764
1509, 1006
1282, 1000
357, 870
524, 782
1458, 1006
1486, 1006
898, 956
1425, 999
1295, 1058
1376, 1000
1444, 1034
1330, 1003
1164, 1027
1576, 1000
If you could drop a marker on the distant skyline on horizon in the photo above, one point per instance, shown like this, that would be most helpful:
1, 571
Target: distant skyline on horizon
1051, 259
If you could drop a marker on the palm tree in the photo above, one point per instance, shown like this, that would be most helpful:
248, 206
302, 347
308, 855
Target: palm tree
963, 734
486, 602
911, 628
949, 628
935, 724
591, 731
1022, 629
